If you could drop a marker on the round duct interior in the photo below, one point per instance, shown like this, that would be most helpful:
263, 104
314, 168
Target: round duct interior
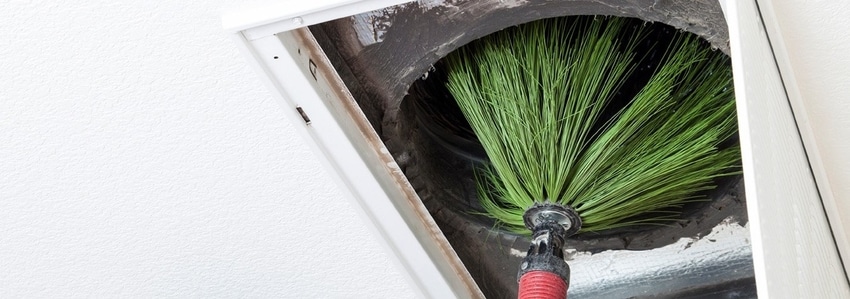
381, 55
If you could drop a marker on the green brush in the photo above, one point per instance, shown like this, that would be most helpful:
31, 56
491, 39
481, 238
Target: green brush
543, 98
536, 97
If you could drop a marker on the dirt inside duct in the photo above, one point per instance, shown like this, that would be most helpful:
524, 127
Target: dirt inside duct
380, 55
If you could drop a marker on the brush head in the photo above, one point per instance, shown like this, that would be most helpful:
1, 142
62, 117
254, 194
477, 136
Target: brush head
544, 212
562, 117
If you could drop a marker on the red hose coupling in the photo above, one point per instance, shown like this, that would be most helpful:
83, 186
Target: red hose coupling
542, 285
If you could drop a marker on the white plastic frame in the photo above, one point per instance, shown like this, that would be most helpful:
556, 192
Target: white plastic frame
794, 251
314, 97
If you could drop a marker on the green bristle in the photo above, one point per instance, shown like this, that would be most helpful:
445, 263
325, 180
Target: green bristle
536, 96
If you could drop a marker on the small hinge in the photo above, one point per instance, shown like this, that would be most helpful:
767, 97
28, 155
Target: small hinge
303, 115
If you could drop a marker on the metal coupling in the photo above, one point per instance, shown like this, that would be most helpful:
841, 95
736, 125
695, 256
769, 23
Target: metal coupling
550, 225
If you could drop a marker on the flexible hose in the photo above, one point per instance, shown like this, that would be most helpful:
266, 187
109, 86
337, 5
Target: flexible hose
542, 285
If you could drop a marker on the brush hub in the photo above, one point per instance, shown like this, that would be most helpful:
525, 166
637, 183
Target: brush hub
541, 213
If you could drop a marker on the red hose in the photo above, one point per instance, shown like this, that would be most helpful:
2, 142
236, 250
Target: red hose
542, 285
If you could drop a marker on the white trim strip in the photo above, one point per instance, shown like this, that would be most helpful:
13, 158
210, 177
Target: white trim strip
831, 206
401, 223
272, 18
794, 254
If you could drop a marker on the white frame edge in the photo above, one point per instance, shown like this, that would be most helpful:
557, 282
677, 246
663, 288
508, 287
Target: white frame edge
425, 270
801, 116
415, 243
275, 17
794, 253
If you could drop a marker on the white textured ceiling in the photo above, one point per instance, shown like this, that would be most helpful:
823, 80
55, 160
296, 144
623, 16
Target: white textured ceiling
140, 156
